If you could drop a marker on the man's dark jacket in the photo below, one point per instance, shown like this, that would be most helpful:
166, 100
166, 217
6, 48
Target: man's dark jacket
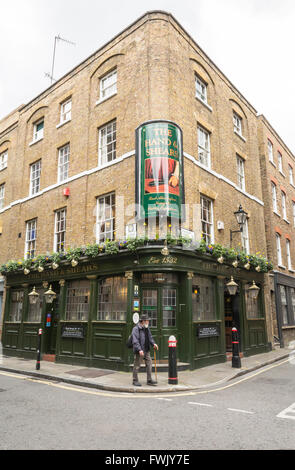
141, 339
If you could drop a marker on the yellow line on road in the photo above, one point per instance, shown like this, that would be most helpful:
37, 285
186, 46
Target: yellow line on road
140, 395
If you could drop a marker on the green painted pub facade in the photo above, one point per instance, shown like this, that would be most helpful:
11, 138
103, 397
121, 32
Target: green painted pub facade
184, 293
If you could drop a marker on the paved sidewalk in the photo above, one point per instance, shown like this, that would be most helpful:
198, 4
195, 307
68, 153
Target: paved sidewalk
103, 379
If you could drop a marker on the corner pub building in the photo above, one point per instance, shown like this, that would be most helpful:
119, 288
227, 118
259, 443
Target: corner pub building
147, 119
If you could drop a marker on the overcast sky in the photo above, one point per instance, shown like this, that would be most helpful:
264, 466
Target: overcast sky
251, 41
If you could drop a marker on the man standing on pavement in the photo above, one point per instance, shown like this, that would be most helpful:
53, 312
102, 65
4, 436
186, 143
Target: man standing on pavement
142, 339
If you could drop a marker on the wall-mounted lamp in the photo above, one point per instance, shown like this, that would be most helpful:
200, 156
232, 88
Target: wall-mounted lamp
241, 217
253, 291
49, 295
33, 296
232, 286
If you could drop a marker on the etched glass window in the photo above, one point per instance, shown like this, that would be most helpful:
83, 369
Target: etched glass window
252, 305
203, 299
16, 306
35, 310
284, 304
78, 293
112, 299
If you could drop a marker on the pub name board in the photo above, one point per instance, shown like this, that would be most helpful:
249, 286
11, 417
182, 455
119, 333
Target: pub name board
159, 170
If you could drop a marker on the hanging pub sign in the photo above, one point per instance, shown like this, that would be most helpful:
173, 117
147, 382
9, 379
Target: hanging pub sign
159, 170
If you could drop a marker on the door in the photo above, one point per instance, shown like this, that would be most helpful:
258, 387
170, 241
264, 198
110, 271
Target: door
228, 319
51, 322
160, 304
231, 318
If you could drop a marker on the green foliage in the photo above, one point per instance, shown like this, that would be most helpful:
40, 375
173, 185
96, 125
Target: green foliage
74, 253
112, 247
92, 250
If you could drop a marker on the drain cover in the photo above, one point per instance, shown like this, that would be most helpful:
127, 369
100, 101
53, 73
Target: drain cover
90, 373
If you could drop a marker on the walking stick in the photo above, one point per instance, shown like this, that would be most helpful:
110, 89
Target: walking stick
155, 365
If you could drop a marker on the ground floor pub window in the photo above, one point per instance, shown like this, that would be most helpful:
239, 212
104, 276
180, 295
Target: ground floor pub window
284, 304
169, 307
203, 298
35, 310
78, 293
150, 305
292, 293
252, 305
112, 299
287, 295
16, 306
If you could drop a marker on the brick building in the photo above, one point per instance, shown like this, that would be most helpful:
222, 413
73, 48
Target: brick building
69, 178
278, 183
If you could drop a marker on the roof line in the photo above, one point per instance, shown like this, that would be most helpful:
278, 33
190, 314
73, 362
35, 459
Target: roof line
146, 14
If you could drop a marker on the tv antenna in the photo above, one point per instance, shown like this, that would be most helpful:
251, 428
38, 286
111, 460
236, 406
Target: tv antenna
56, 39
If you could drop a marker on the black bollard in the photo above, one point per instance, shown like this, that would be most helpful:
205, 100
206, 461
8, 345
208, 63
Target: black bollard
236, 360
39, 349
172, 377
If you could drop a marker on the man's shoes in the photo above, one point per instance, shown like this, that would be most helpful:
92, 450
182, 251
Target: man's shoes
137, 384
152, 382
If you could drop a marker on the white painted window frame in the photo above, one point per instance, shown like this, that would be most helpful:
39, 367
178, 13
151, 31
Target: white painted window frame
104, 215
241, 172
274, 197
31, 238
63, 163
204, 147
279, 249
104, 155
3, 159
106, 90
60, 225
35, 176
208, 221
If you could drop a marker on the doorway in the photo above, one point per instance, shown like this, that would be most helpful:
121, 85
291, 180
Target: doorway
231, 318
160, 303
51, 322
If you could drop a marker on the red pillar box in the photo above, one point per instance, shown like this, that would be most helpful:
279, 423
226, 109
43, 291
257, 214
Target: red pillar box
39, 349
236, 361
172, 377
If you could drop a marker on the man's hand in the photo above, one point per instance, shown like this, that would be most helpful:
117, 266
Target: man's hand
173, 181
141, 353
156, 347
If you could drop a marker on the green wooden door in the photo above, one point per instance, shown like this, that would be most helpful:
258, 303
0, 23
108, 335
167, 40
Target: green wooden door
160, 304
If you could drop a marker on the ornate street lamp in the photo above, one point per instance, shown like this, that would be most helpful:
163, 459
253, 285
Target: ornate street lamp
241, 217
49, 295
232, 286
253, 291
33, 296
